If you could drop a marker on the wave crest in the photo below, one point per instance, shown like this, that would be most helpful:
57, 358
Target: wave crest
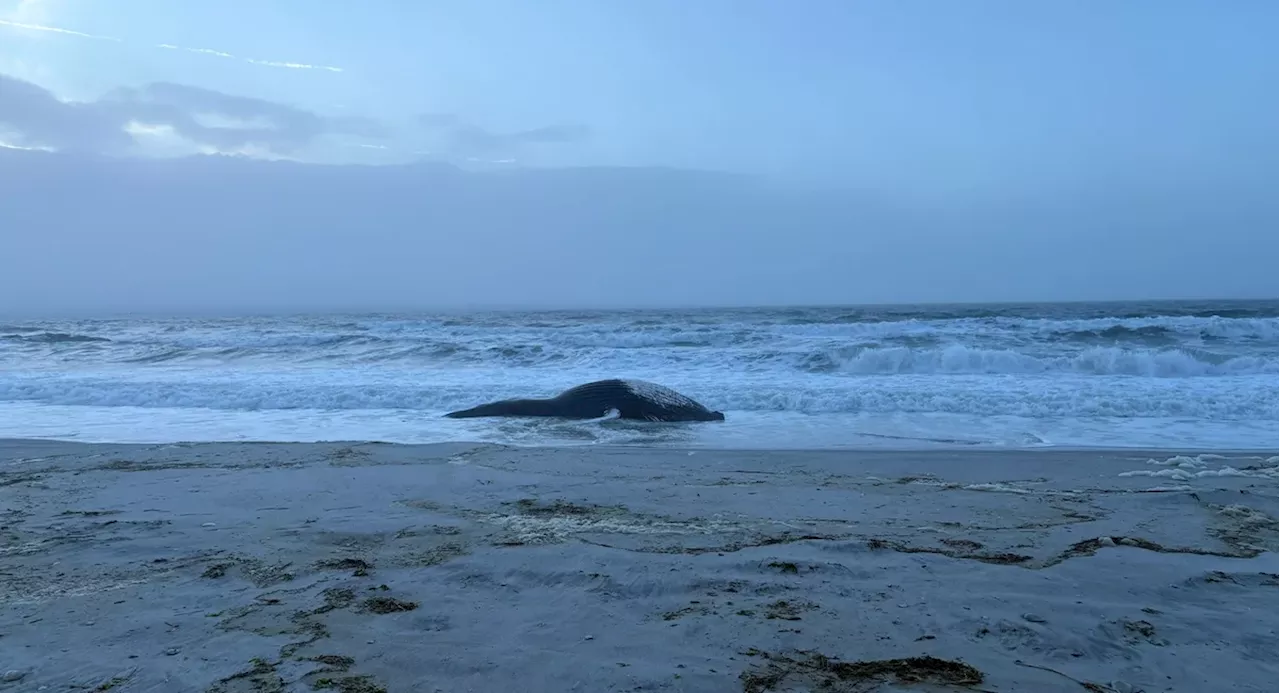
960, 359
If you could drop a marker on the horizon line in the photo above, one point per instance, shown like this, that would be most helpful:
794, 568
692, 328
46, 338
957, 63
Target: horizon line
283, 312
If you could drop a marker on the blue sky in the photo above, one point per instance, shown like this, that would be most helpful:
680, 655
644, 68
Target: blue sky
929, 98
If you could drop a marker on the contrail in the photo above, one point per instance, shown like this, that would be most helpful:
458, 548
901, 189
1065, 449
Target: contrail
206, 51
56, 30
255, 61
169, 46
293, 66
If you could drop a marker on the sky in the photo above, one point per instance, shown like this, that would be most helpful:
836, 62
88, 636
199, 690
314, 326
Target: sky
1087, 119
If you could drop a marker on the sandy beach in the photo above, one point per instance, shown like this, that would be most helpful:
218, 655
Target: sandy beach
237, 568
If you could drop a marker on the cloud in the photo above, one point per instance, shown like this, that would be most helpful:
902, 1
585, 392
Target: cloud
287, 64
439, 120
166, 119
6, 145
119, 121
470, 140
38, 118
549, 134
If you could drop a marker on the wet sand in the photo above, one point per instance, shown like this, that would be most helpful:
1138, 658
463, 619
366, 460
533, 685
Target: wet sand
234, 568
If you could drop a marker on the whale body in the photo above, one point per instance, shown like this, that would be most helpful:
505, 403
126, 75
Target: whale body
631, 399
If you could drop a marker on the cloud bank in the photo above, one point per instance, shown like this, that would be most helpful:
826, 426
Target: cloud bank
121, 121
464, 139
231, 234
164, 118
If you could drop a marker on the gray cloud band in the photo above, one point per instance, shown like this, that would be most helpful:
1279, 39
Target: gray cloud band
41, 119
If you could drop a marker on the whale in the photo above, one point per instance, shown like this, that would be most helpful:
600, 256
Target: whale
637, 400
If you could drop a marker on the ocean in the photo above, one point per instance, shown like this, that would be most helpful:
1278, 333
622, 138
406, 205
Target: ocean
1138, 374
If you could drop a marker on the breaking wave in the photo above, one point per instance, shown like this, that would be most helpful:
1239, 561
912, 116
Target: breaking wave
1200, 365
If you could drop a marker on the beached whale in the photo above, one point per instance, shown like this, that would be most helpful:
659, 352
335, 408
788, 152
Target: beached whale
631, 399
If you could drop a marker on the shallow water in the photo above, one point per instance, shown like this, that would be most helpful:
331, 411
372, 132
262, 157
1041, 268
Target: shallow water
1156, 374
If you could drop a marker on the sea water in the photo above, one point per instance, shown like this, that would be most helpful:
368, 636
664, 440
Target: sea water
1154, 374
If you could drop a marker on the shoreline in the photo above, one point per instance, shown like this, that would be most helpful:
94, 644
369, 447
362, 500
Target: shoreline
366, 567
